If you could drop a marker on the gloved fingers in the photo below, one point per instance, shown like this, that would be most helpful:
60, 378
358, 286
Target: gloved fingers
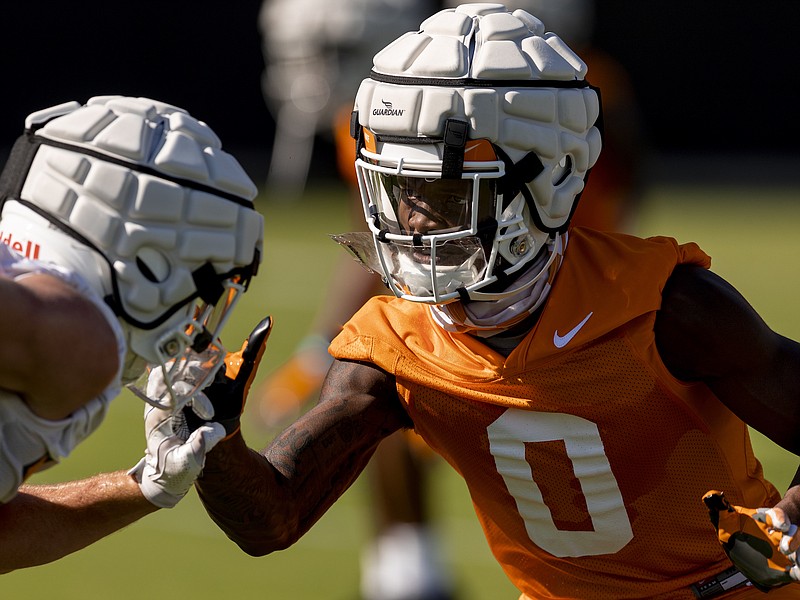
777, 519
202, 406
187, 459
161, 426
227, 394
790, 542
242, 365
205, 437
173, 456
759, 524
172, 387
156, 383
778, 524
252, 353
253, 348
181, 388
155, 420
773, 519
194, 370
752, 541
179, 463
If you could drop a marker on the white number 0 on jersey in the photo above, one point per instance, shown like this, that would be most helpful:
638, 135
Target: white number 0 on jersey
507, 438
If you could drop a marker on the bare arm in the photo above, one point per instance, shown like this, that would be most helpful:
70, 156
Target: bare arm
706, 331
49, 328
46, 522
267, 501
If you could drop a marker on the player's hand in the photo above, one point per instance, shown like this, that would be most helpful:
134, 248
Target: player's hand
227, 394
158, 393
760, 542
174, 457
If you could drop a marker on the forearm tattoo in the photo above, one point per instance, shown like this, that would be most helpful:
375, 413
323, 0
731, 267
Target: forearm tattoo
270, 499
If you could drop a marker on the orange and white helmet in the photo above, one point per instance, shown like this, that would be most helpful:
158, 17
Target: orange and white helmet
138, 198
486, 113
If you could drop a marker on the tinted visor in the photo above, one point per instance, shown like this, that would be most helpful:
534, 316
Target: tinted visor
408, 205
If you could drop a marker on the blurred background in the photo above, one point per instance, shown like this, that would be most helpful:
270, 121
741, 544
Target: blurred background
710, 77
716, 161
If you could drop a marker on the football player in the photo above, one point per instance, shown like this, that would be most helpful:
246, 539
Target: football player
129, 237
532, 357
403, 558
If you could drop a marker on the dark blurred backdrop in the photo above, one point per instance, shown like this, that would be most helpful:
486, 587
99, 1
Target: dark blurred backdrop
712, 77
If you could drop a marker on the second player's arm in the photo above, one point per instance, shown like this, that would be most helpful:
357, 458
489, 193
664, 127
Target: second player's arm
266, 501
706, 331
58, 351
46, 522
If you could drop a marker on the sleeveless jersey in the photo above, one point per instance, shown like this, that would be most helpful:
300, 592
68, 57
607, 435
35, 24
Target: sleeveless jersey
29, 443
585, 459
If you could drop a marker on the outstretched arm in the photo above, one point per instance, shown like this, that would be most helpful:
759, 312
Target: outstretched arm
46, 522
266, 501
43, 523
706, 331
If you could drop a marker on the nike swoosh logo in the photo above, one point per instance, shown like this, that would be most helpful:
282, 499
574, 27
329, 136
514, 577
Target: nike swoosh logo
562, 340
471, 147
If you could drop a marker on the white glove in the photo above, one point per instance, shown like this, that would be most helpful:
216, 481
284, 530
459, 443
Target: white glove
760, 542
777, 522
159, 393
174, 458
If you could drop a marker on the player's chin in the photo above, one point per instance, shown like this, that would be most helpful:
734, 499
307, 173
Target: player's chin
444, 257
422, 257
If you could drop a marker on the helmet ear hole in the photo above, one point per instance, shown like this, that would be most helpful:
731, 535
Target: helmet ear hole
563, 171
153, 265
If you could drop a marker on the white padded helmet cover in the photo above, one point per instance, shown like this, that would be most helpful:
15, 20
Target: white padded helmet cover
165, 196
477, 42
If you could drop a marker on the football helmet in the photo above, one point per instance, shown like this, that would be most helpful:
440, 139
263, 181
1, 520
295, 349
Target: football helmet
138, 198
475, 135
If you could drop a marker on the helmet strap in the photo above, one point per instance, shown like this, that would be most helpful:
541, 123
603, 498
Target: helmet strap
455, 140
489, 318
356, 132
518, 175
17, 167
207, 282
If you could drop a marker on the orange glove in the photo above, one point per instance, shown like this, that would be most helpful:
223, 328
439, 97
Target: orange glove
759, 542
228, 392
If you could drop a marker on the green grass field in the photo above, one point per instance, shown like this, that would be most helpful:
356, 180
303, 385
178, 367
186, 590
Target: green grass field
750, 234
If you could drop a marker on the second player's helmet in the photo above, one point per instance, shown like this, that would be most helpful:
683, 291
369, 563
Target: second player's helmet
486, 114
139, 199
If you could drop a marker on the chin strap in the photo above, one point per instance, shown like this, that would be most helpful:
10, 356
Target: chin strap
522, 298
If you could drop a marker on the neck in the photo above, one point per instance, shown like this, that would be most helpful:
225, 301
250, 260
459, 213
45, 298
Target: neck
505, 341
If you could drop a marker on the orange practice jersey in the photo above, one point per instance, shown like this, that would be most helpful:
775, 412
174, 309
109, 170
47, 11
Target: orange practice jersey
585, 459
